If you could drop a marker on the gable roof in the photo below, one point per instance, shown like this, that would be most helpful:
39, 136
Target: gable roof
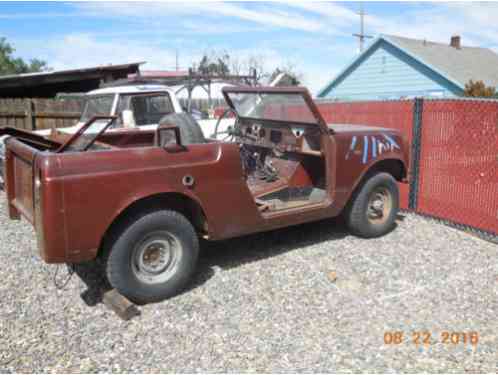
456, 65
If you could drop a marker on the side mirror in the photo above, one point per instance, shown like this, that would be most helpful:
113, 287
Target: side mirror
128, 119
169, 138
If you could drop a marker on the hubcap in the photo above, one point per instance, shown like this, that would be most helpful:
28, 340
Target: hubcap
379, 205
155, 259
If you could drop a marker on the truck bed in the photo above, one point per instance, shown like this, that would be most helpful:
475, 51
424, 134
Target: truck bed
19, 171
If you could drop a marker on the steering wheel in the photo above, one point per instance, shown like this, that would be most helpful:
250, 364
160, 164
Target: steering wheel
231, 132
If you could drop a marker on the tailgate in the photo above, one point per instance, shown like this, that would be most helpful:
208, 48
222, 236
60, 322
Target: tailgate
19, 167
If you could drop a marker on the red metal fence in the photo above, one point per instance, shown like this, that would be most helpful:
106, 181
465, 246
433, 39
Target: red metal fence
457, 177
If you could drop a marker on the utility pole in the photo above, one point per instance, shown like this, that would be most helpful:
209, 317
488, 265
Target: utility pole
176, 59
362, 36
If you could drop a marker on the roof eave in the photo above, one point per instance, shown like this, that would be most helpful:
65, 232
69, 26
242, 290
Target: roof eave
328, 86
64, 75
326, 89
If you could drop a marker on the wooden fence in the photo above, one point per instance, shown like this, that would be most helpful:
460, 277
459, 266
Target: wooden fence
34, 114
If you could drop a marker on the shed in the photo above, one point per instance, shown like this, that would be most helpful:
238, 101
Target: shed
395, 67
49, 84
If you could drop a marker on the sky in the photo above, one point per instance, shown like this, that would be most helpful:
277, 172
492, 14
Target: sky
315, 38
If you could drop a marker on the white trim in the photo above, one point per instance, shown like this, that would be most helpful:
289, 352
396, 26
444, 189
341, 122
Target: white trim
351, 63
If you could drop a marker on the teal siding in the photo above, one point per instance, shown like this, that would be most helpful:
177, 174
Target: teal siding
386, 72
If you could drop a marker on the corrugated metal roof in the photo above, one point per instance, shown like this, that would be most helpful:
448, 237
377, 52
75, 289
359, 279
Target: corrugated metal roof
53, 73
48, 84
461, 65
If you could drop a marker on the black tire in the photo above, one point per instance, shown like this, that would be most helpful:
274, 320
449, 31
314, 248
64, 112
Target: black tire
190, 130
366, 217
147, 235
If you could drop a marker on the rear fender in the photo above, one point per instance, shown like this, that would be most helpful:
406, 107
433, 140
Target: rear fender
184, 203
153, 194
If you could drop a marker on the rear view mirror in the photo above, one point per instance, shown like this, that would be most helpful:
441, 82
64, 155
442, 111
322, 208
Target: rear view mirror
128, 119
169, 138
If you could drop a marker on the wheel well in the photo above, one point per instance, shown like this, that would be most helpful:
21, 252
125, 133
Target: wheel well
394, 167
172, 201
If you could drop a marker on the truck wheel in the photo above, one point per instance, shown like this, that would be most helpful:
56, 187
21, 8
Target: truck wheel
154, 257
190, 130
373, 208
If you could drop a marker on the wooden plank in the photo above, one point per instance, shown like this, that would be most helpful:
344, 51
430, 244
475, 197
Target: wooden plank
39, 113
20, 123
61, 115
29, 121
12, 114
120, 305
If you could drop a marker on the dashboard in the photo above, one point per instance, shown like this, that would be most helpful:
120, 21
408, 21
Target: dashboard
285, 138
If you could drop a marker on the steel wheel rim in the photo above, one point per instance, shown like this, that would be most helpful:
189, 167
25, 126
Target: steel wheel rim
156, 258
379, 205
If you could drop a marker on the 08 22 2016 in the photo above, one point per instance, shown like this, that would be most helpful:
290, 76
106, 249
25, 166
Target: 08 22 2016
430, 338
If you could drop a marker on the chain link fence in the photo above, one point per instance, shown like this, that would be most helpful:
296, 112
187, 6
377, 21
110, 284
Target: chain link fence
458, 178
454, 155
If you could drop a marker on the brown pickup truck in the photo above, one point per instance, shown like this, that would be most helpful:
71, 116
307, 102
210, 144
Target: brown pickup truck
141, 199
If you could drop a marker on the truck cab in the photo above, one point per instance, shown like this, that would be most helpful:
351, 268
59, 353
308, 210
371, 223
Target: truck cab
136, 106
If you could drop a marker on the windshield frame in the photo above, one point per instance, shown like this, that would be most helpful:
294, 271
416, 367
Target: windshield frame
301, 91
81, 131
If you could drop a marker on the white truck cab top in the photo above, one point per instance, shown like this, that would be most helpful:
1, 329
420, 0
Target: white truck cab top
139, 106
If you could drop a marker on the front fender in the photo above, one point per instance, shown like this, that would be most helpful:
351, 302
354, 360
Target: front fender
359, 153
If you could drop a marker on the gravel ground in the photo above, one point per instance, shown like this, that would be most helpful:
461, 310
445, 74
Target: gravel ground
310, 298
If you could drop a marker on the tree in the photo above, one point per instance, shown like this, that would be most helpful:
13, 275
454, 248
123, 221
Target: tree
214, 64
478, 89
290, 77
15, 65
222, 64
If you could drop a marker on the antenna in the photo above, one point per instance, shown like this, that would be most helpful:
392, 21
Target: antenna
362, 36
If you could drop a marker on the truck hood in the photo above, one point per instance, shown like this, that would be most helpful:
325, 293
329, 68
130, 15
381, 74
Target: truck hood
352, 128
